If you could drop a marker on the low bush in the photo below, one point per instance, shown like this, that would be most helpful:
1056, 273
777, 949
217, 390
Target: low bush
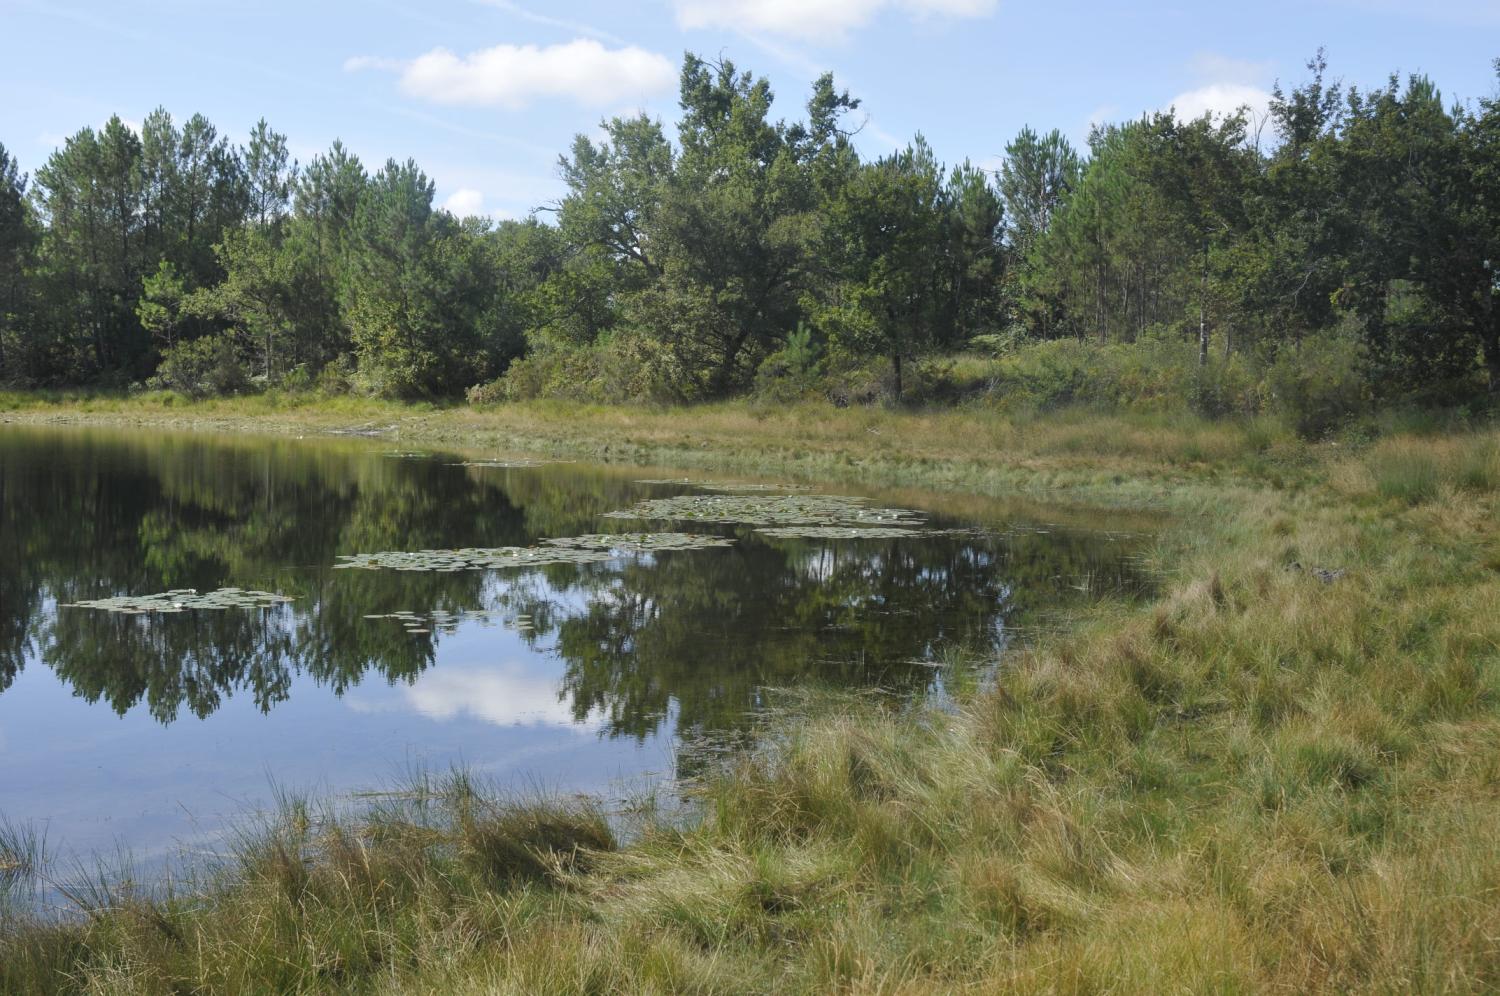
622, 368
1319, 384
1157, 374
792, 372
202, 367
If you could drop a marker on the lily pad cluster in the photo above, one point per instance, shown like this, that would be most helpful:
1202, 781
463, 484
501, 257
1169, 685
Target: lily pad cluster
591, 549
640, 542
770, 510
470, 558
183, 600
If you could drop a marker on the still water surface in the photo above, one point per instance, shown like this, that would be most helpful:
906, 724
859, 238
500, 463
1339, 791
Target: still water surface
149, 732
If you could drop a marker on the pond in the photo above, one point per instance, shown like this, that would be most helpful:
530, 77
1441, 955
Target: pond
191, 623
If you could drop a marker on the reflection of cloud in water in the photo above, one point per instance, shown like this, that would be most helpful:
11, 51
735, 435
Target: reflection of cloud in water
505, 695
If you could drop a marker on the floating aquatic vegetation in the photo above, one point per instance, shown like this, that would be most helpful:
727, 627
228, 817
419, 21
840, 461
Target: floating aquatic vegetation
471, 558
847, 532
443, 621
591, 549
183, 599
640, 542
410, 454
770, 510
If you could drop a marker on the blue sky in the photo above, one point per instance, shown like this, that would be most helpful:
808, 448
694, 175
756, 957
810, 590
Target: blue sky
485, 94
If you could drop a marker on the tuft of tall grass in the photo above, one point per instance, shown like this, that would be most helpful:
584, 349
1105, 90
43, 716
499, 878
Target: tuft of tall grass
23, 863
1414, 469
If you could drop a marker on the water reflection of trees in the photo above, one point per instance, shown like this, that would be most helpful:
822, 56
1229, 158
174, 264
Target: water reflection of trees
697, 634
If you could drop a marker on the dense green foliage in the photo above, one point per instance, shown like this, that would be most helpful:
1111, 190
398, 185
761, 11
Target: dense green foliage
1353, 239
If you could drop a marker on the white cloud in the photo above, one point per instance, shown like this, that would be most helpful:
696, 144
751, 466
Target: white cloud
464, 202
507, 695
512, 76
1225, 84
1221, 99
814, 19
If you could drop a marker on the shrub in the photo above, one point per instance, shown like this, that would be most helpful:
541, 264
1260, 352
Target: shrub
1158, 373
1319, 383
793, 371
624, 367
202, 367
337, 375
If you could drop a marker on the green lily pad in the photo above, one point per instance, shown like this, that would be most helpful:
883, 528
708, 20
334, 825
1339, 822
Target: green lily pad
183, 600
443, 621
770, 510
640, 542
470, 558
590, 549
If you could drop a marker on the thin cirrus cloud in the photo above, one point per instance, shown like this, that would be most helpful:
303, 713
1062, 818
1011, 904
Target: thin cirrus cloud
812, 20
583, 71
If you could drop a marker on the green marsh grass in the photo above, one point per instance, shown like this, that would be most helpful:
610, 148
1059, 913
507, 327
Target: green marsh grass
1280, 775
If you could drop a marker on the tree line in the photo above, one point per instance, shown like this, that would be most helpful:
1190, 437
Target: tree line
748, 252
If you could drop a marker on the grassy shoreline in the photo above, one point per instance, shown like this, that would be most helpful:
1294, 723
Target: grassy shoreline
1268, 779
1137, 460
